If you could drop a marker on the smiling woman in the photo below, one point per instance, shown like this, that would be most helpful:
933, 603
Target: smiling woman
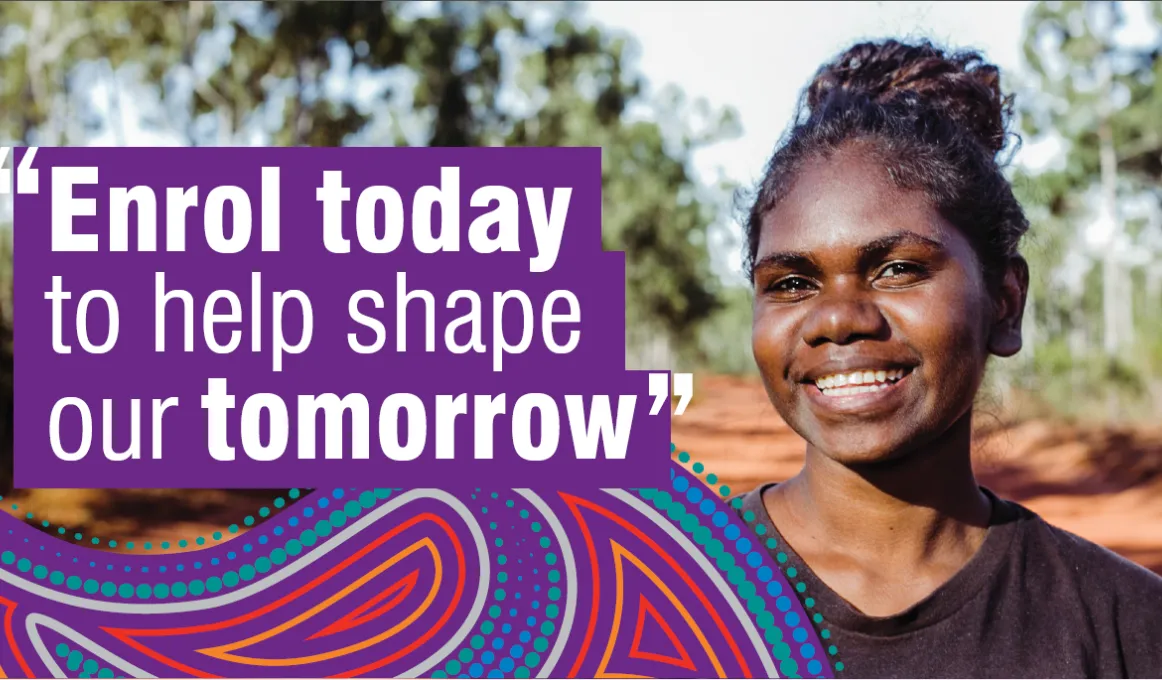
883, 248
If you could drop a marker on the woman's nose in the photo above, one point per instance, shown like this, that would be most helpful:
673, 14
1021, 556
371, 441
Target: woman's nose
843, 321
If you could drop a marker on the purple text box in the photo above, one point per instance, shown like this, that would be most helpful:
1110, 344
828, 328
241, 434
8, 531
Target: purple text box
134, 368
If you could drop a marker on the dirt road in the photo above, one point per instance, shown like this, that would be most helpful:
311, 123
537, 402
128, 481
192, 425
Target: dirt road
1101, 483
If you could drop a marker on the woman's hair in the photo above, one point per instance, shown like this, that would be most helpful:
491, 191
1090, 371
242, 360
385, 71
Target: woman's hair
936, 121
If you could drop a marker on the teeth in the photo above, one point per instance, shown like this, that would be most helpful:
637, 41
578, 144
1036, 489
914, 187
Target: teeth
856, 389
858, 382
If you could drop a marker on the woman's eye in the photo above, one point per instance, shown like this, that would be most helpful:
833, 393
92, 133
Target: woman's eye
902, 271
791, 284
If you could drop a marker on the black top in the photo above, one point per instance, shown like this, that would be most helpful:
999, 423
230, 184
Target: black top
1035, 601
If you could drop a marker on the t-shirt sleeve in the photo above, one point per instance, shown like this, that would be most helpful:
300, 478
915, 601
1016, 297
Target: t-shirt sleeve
1139, 620
1124, 603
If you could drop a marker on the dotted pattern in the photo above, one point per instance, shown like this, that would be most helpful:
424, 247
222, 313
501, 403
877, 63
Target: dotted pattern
75, 661
505, 645
735, 575
79, 537
177, 589
278, 530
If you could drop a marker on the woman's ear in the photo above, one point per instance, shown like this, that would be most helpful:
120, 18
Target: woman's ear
1005, 334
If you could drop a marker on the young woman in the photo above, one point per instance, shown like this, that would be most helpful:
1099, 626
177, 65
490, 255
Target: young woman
883, 252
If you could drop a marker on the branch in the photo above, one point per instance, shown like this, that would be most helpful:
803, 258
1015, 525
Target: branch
194, 14
224, 110
211, 95
41, 22
115, 112
64, 38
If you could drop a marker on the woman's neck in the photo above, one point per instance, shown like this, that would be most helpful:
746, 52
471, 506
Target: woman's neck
921, 514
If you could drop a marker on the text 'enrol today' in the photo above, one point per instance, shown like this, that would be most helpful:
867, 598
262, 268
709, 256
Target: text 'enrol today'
496, 229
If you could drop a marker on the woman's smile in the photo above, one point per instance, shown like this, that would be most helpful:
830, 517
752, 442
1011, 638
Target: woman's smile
874, 390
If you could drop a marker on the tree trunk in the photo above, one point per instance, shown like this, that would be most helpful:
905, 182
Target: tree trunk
1111, 315
1030, 330
195, 11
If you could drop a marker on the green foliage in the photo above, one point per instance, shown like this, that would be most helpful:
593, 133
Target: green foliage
652, 207
1071, 96
1065, 42
478, 74
725, 342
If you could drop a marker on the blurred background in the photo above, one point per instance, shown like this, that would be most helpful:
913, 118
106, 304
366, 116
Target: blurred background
687, 100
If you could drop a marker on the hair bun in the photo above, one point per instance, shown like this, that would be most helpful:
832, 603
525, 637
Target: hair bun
961, 86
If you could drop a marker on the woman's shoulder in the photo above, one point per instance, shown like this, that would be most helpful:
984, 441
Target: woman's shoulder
1088, 561
1119, 600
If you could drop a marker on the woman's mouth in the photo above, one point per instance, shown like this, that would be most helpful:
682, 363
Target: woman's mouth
859, 382
861, 393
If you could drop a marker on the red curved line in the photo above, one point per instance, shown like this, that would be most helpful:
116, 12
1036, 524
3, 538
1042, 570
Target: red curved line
161, 658
127, 635
360, 616
608, 514
636, 652
596, 577
435, 627
11, 607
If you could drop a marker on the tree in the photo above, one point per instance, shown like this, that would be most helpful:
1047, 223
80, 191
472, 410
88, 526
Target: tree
481, 74
1098, 95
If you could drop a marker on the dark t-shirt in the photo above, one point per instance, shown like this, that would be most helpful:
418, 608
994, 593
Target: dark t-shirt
1035, 601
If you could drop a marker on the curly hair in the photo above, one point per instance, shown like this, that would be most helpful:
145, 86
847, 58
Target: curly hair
936, 121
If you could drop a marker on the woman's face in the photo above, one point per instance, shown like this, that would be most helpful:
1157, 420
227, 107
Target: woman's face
872, 320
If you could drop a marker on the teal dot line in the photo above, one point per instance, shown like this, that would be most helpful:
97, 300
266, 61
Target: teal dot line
78, 537
76, 662
195, 587
714, 549
756, 525
467, 655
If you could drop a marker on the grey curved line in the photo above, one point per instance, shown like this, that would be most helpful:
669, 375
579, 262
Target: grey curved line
275, 578
477, 607
704, 562
35, 619
570, 578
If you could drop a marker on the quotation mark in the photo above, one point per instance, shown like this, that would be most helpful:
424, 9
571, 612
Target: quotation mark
660, 391
27, 177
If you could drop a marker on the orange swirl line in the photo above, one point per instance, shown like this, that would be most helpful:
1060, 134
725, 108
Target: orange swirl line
574, 501
128, 635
